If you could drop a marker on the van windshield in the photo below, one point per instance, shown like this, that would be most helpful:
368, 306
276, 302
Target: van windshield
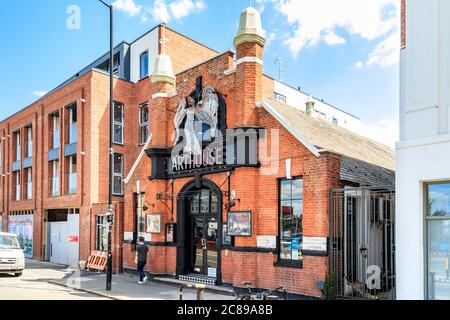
9, 242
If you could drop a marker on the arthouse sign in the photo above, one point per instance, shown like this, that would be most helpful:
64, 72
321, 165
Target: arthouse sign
202, 143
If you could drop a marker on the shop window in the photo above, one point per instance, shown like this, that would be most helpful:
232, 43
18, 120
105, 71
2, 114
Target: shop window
141, 223
290, 220
143, 124
143, 65
118, 123
101, 242
438, 240
118, 174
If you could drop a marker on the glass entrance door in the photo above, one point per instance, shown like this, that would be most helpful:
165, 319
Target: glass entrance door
205, 233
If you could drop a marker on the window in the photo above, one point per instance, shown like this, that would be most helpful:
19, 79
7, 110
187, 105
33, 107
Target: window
29, 143
143, 124
54, 169
118, 123
55, 131
335, 121
17, 143
101, 243
118, 174
29, 184
438, 240
72, 175
143, 64
291, 217
16, 186
280, 98
72, 123
141, 225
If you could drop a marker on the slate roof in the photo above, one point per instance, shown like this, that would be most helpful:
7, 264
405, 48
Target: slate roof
319, 135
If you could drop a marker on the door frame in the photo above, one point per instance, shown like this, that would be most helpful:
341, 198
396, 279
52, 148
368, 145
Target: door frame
183, 246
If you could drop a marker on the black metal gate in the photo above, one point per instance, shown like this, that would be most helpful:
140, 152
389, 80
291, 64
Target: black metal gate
362, 243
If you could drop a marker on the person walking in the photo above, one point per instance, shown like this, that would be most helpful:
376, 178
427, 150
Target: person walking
141, 259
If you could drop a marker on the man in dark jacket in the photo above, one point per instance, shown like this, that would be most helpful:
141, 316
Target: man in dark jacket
141, 259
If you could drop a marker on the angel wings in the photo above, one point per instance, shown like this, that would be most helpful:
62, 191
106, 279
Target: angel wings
206, 111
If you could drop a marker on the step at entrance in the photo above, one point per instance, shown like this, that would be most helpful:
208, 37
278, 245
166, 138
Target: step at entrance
198, 278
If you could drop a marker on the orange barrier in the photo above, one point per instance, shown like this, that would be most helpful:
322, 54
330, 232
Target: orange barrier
97, 261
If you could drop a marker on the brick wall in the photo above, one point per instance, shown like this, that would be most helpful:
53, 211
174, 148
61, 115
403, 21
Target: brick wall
403, 24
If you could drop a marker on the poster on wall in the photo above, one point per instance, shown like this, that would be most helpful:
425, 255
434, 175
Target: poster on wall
171, 233
154, 223
240, 224
22, 226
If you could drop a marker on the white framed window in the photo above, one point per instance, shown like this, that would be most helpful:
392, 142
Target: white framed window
18, 146
280, 98
29, 145
73, 124
118, 174
17, 186
143, 124
143, 65
118, 123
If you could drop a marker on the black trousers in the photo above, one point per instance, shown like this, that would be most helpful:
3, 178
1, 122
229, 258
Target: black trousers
140, 269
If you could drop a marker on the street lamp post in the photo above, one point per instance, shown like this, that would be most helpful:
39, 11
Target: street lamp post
111, 150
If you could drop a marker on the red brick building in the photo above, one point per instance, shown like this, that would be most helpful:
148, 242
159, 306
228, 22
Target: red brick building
240, 195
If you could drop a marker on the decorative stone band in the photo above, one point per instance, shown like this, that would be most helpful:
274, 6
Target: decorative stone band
249, 59
249, 37
164, 95
163, 78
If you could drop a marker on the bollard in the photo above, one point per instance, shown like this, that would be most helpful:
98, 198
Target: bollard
200, 292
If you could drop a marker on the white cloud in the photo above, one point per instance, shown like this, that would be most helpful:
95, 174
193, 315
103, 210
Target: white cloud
159, 11
182, 8
40, 93
163, 11
316, 21
385, 131
128, 6
358, 64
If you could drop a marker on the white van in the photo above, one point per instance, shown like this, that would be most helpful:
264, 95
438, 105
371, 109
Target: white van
12, 259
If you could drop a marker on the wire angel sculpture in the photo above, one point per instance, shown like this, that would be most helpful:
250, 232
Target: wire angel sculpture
205, 111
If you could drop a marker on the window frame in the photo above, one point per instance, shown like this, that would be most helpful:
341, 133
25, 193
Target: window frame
287, 262
122, 165
278, 96
147, 72
120, 124
144, 124
426, 219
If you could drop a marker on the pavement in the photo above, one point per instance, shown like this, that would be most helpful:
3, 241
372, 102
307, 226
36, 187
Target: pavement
42, 280
34, 285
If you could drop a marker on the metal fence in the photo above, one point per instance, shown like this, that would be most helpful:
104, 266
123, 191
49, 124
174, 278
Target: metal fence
362, 243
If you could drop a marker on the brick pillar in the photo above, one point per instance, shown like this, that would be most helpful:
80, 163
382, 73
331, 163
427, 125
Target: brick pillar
249, 44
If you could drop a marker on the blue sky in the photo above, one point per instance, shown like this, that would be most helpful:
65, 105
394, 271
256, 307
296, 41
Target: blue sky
346, 55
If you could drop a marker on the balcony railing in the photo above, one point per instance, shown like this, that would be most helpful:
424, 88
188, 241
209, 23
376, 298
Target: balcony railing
55, 187
73, 133
72, 178
29, 190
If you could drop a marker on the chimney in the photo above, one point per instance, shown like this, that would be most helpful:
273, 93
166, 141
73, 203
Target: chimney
310, 107
249, 43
